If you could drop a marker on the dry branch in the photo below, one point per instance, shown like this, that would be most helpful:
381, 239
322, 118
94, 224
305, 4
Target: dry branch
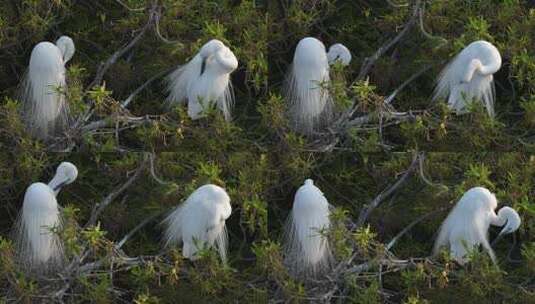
136, 229
366, 211
131, 97
104, 66
395, 239
391, 97
99, 207
370, 61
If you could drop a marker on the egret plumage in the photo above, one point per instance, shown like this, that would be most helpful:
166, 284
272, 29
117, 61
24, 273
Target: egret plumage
38, 247
45, 109
469, 77
199, 222
339, 53
306, 247
467, 225
310, 103
205, 79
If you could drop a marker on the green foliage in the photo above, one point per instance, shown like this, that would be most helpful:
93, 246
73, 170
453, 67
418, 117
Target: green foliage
261, 162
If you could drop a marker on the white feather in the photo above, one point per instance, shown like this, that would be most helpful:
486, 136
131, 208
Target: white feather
339, 52
45, 109
66, 46
191, 83
308, 98
310, 104
306, 249
466, 227
200, 222
39, 249
469, 77
213, 85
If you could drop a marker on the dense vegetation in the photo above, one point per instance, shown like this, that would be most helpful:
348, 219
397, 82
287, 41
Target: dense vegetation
161, 157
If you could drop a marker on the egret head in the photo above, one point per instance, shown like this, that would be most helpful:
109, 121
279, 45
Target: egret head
66, 173
226, 59
209, 49
309, 182
338, 52
66, 46
309, 189
512, 220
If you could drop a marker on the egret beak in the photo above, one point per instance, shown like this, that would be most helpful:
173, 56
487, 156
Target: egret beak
499, 237
496, 240
58, 187
203, 66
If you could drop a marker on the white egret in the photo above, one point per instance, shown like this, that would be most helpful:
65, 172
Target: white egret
469, 77
205, 80
339, 52
38, 247
309, 99
45, 109
466, 227
199, 223
306, 248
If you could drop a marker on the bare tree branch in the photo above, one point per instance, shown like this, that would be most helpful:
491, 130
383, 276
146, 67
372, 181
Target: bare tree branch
127, 101
111, 121
99, 207
153, 173
391, 97
394, 240
370, 61
365, 213
136, 229
104, 66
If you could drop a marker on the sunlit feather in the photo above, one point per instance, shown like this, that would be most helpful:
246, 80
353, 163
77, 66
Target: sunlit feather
199, 222
38, 246
205, 80
306, 89
45, 109
469, 77
306, 247
466, 227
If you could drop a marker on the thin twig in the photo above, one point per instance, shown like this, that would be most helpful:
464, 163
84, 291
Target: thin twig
370, 61
391, 97
409, 227
159, 35
104, 66
127, 101
136, 229
153, 173
365, 213
99, 207
129, 8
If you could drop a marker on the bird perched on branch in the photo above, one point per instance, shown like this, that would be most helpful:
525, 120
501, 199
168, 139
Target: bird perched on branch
309, 100
205, 80
199, 222
306, 248
45, 109
467, 225
469, 77
38, 247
